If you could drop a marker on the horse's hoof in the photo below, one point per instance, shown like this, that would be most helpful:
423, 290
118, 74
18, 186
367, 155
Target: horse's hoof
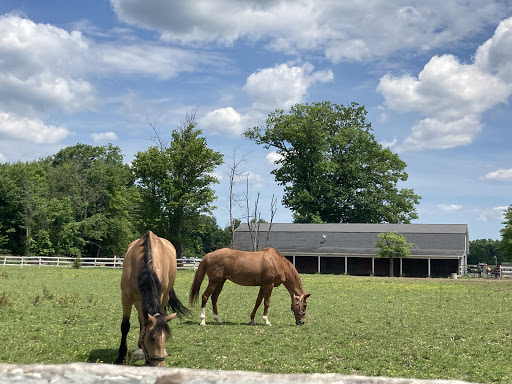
202, 324
252, 323
138, 354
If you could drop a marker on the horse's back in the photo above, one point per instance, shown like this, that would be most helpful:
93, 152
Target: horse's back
163, 255
242, 267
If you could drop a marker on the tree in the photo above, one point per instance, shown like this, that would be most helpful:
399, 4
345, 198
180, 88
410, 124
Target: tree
505, 245
174, 182
484, 251
204, 237
332, 168
23, 205
393, 245
96, 198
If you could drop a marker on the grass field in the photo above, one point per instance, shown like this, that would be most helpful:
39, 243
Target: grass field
422, 328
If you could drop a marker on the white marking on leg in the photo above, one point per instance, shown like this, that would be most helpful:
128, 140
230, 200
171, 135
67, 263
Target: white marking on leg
203, 316
265, 319
216, 317
138, 354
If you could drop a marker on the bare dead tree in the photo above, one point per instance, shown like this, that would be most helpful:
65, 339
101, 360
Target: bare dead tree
273, 209
234, 175
253, 220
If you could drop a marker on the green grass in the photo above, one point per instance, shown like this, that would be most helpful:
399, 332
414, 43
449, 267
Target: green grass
422, 328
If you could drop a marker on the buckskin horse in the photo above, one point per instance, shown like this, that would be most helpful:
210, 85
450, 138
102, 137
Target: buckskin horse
149, 272
266, 268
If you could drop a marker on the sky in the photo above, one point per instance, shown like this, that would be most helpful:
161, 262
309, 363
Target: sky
435, 78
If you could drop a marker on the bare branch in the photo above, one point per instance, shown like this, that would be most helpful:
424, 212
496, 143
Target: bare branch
156, 138
273, 209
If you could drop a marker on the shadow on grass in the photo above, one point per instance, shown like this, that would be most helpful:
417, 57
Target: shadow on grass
102, 355
229, 323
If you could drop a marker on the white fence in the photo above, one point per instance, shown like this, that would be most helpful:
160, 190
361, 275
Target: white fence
86, 262
506, 271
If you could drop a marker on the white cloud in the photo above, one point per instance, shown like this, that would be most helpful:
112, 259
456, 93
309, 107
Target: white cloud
223, 121
445, 89
494, 214
500, 174
449, 207
39, 66
389, 144
282, 86
453, 95
104, 136
273, 156
431, 133
255, 179
149, 59
32, 130
495, 55
348, 30
3, 159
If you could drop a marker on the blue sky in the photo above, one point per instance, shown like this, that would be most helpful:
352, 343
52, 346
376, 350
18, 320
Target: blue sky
435, 77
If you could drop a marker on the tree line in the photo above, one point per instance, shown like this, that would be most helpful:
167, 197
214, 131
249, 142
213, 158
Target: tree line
491, 251
86, 201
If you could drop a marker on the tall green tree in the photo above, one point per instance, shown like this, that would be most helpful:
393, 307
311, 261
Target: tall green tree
97, 198
332, 168
175, 183
505, 245
23, 205
393, 245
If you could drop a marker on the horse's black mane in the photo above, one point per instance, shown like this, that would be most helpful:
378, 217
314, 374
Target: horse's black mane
147, 280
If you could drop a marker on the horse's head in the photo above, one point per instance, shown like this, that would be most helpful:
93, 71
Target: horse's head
155, 334
299, 308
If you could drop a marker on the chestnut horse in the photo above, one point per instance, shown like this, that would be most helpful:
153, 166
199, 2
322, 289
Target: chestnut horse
266, 268
149, 271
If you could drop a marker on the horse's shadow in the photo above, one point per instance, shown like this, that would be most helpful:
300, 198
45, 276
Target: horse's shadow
224, 323
107, 355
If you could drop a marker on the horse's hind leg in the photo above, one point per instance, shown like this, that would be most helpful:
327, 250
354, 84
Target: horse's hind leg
215, 296
204, 299
256, 306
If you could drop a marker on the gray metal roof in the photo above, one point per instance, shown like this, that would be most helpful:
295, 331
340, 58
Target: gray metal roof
437, 240
361, 228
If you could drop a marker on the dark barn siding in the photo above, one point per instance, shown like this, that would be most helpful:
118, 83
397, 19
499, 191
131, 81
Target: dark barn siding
444, 244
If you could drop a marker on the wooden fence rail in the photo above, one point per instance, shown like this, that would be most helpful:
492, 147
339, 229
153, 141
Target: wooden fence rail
87, 262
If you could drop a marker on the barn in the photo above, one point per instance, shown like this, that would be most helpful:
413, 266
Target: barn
442, 249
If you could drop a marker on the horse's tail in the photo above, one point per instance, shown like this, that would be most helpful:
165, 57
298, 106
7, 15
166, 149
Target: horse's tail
198, 279
177, 306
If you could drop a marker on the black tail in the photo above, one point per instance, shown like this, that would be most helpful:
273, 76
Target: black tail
177, 306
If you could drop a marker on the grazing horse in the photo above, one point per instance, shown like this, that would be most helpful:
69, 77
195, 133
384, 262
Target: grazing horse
266, 268
149, 271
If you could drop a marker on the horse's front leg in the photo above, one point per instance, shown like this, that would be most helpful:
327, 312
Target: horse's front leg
256, 306
139, 353
125, 328
266, 302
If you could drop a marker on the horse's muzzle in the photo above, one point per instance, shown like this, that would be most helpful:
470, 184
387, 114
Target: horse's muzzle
299, 322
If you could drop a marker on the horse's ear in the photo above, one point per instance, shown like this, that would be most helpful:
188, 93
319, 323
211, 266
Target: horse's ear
170, 317
151, 319
307, 295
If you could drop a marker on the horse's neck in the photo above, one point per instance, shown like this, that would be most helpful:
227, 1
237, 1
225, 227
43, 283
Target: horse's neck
292, 283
